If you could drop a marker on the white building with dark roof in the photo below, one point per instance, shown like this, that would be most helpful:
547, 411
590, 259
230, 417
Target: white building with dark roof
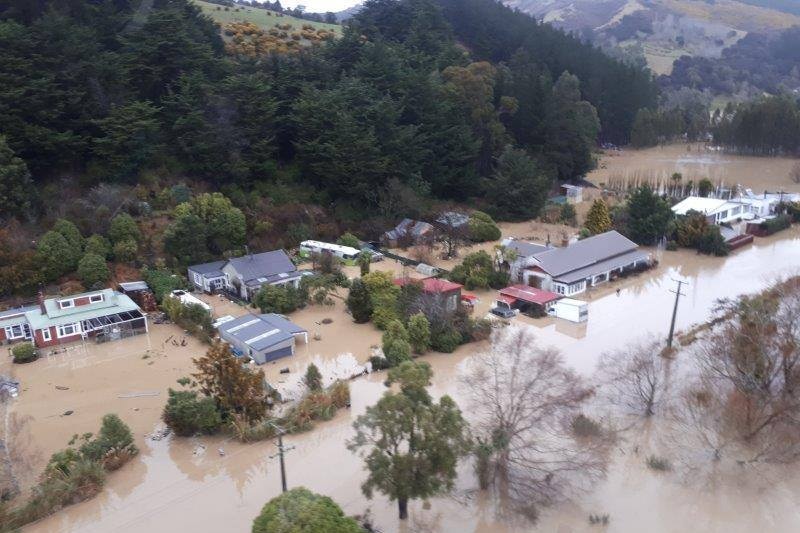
571, 269
244, 276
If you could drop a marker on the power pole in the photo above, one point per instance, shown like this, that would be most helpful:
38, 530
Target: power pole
678, 294
281, 452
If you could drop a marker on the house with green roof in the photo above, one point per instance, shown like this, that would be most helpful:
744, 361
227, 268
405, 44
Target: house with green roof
104, 314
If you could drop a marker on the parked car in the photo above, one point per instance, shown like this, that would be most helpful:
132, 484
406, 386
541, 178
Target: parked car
375, 255
503, 312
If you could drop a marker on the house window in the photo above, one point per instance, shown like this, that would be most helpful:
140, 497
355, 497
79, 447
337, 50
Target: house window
197, 279
14, 332
95, 298
46, 335
66, 304
68, 329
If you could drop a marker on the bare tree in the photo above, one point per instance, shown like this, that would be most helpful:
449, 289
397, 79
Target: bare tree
523, 400
634, 378
794, 173
744, 405
452, 232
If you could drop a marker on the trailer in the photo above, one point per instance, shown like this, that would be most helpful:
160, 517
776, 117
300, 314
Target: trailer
570, 309
345, 253
187, 298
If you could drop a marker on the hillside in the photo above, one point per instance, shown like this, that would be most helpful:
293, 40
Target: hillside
660, 31
263, 18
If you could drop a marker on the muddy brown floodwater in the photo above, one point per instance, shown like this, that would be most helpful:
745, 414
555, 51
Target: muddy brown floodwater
177, 485
695, 161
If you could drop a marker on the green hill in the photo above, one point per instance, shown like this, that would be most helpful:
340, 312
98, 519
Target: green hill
263, 18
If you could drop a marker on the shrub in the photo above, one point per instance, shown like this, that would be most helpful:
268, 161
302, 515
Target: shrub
704, 187
126, 251
359, 302
585, 427
281, 299
774, 225
419, 333
567, 214
482, 228
302, 511
99, 245
114, 434
671, 246
379, 363
123, 228
162, 281
313, 378
711, 242
24, 353
93, 270
194, 318
348, 239
186, 414
446, 340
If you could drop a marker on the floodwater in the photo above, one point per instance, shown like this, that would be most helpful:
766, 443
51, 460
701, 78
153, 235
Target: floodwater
179, 485
694, 162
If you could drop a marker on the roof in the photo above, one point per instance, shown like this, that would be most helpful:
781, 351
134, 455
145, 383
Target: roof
259, 332
4, 315
707, 206
134, 286
348, 250
603, 266
529, 294
414, 228
571, 301
110, 297
209, 270
431, 285
113, 302
525, 249
454, 219
263, 265
584, 253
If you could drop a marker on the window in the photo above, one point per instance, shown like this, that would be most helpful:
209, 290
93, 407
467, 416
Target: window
95, 298
46, 335
68, 329
197, 279
66, 304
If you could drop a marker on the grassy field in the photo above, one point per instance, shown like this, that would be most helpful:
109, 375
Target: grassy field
263, 18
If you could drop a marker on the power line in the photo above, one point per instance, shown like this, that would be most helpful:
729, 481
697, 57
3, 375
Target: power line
678, 295
281, 452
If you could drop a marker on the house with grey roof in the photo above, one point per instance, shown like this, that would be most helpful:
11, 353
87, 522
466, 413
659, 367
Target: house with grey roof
244, 276
105, 314
573, 268
262, 338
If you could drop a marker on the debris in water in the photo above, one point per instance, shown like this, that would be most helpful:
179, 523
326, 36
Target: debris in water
159, 434
221, 452
139, 394
285, 370
67, 413
61, 387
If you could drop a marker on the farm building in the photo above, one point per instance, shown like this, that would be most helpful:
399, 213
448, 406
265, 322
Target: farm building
447, 293
263, 338
139, 292
244, 276
104, 315
408, 232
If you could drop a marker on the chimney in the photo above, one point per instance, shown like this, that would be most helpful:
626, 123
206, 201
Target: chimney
41, 302
547, 244
564, 240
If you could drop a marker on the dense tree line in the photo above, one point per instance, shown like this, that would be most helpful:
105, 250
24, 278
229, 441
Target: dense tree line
757, 63
683, 114
769, 126
113, 92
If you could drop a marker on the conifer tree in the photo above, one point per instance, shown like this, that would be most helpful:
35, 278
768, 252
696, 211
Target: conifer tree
598, 220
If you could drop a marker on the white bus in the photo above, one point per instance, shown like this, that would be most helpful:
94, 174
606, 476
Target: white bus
345, 253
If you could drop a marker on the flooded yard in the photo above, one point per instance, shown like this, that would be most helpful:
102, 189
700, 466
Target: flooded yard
694, 162
186, 483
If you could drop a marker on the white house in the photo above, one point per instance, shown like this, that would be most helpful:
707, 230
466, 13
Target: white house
572, 269
716, 210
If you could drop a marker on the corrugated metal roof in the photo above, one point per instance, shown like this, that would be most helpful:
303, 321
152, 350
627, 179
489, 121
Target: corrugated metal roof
118, 303
525, 249
209, 268
432, 285
602, 267
582, 254
529, 294
259, 332
262, 265
707, 206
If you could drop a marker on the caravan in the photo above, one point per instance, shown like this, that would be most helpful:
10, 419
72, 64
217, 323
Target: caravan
345, 253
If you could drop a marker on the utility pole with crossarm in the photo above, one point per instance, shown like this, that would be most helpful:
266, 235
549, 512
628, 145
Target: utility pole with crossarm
678, 294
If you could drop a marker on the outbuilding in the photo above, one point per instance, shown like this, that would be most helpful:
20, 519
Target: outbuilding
526, 299
262, 338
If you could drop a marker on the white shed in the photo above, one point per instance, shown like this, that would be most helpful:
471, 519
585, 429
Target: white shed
570, 309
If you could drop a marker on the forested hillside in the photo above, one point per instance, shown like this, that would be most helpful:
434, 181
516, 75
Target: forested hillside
417, 101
